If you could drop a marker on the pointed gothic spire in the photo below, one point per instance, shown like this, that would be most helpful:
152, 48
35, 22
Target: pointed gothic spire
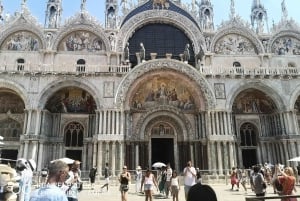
83, 6
53, 14
284, 11
1, 11
232, 9
259, 17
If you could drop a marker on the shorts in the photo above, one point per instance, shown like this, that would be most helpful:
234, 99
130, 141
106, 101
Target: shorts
124, 187
106, 180
148, 187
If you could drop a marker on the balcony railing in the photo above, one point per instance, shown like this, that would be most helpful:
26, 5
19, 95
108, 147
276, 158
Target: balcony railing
64, 68
250, 71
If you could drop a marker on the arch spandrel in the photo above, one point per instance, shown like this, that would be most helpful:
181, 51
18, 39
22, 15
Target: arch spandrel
161, 16
130, 83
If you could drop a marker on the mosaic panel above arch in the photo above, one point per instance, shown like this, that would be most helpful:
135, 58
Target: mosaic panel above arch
71, 100
286, 46
234, 44
10, 102
22, 41
253, 101
162, 90
82, 41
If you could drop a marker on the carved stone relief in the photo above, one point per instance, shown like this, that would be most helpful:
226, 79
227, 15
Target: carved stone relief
286, 46
234, 44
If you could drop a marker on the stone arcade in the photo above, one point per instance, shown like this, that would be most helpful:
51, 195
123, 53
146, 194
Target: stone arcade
85, 90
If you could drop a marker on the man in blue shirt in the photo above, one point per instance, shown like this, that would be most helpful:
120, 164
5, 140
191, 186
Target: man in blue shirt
50, 191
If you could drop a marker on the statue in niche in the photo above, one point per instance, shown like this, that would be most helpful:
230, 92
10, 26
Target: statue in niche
112, 40
161, 129
186, 53
142, 52
126, 53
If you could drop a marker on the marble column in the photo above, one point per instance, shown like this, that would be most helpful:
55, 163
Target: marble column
258, 153
25, 154
29, 113
137, 162
94, 154
113, 160
113, 124
99, 158
84, 156
286, 154
231, 157
118, 123
209, 156
220, 158
38, 122
40, 156
34, 150
100, 122
121, 155
109, 122
105, 122
225, 152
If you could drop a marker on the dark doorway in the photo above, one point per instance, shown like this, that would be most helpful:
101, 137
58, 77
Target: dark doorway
74, 154
9, 155
163, 150
249, 157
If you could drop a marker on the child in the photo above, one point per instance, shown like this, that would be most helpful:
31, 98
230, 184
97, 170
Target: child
175, 187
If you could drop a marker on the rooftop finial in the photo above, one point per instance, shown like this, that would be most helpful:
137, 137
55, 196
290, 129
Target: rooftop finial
284, 10
82, 6
232, 9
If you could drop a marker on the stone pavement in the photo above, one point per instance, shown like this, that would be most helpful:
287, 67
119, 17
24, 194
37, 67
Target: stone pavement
223, 191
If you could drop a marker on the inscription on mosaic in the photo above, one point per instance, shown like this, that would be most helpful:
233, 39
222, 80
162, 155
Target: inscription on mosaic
286, 46
82, 41
21, 41
71, 100
234, 44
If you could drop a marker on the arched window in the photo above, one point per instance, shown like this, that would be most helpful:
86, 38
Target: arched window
248, 135
80, 67
20, 64
74, 135
236, 64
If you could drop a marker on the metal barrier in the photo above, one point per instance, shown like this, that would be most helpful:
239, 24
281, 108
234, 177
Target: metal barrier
271, 197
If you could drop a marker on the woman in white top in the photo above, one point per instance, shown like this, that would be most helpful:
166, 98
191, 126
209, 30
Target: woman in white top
175, 187
148, 181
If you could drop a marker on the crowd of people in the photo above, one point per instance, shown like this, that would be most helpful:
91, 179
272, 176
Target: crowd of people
62, 182
281, 179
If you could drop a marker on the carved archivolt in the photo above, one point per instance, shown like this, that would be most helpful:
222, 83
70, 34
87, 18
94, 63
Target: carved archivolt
285, 43
87, 33
161, 16
245, 40
122, 95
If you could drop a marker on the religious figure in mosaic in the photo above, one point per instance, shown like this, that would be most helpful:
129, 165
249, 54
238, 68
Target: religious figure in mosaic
22, 41
163, 91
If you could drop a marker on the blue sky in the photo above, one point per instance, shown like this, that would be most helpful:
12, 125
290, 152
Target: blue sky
221, 9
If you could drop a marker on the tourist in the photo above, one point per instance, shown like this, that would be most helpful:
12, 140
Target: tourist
189, 177
257, 182
201, 192
288, 181
106, 177
175, 187
57, 173
92, 176
149, 181
124, 180
138, 179
73, 182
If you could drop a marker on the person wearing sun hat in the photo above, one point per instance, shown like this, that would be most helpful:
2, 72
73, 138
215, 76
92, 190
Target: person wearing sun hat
138, 178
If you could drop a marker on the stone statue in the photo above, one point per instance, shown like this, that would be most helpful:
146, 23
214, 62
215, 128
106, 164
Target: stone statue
142, 52
83, 3
186, 53
126, 53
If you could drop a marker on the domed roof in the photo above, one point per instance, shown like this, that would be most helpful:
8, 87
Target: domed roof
149, 6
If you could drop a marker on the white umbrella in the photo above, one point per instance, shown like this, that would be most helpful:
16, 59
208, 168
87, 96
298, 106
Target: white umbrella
158, 165
66, 160
296, 159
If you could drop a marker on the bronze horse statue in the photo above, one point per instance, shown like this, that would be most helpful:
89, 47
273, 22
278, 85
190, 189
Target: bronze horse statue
163, 4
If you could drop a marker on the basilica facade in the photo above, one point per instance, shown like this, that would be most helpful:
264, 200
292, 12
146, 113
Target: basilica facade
157, 81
